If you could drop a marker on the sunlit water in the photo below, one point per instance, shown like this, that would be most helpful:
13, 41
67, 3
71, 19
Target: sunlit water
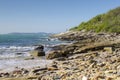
15, 47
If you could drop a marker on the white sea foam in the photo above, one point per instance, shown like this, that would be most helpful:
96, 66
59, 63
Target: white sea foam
10, 64
15, 47
13, 51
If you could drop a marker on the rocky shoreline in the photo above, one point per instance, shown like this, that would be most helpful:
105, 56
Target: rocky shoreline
91, 56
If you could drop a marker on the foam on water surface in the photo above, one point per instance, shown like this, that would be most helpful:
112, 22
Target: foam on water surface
15, 47
10, 64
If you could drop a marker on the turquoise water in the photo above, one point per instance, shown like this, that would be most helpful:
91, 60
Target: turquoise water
25, 39
14, 43
15, 48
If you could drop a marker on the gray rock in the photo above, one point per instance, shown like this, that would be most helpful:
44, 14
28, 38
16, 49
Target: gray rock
39, 51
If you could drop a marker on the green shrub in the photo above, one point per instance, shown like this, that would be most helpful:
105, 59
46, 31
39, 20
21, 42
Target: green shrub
108, 22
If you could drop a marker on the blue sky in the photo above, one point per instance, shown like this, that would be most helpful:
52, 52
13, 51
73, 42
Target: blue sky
49, 15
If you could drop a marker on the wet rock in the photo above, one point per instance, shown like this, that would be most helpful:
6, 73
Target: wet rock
0, 75
24, 71
19, 53
39, 51
38, 69
4, 74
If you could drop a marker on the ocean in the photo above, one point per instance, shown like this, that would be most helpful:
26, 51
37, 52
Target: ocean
15, 48
19, 44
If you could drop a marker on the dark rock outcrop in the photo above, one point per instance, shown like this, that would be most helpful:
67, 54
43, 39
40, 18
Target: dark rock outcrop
39, 51
84, 42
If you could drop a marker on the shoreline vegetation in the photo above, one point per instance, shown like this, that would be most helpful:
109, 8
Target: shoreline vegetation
94, 53
108, 22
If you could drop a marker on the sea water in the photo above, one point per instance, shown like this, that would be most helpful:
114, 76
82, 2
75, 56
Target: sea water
16, 46
19, 44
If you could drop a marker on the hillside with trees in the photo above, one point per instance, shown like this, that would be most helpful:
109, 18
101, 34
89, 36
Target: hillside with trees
107, 22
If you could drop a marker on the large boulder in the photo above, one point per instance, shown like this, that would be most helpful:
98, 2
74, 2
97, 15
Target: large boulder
60, 51
38, 51
54, 54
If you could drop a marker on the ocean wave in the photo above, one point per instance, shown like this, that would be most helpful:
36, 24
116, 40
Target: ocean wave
15, 51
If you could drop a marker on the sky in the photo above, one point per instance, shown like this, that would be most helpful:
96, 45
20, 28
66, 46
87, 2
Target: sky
51, 16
